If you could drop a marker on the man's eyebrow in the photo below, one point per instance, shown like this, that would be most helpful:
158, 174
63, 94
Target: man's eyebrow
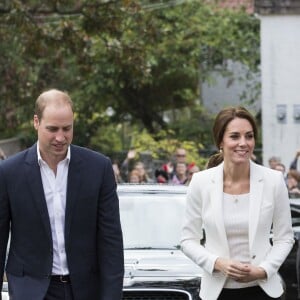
57, 127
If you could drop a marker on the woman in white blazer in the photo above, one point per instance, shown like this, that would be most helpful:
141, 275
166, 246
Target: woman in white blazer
237, 203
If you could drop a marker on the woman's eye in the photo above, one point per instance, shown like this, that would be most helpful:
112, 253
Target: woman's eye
234, 137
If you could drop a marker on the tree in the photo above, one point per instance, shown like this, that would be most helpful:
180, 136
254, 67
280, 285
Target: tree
138, 58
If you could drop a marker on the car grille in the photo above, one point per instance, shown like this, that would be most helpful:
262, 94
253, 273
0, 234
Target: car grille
155, 295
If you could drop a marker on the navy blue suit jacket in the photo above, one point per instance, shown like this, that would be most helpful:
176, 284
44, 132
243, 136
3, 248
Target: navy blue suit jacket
93, 236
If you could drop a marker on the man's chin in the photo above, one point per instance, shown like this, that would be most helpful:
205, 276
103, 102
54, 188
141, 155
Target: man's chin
60, 152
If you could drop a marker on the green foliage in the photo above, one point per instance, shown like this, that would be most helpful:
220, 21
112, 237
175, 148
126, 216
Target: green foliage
139, 58
162, 146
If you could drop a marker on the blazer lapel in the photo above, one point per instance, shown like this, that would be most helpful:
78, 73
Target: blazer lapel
256, 193
216, 196
34, 179
74, 178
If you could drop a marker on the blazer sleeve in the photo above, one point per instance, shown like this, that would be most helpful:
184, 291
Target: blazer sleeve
283, 235
110, 241
192, 232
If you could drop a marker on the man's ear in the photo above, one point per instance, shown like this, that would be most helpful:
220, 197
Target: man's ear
36, 122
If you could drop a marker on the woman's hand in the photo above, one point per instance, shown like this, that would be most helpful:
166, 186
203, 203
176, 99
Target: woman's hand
241, 272
255, 273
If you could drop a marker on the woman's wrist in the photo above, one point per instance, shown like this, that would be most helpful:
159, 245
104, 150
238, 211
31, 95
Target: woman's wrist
262, 273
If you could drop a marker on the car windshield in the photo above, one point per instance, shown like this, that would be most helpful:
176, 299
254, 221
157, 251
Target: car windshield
151, 221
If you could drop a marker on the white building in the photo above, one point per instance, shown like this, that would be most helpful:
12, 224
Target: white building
280, 67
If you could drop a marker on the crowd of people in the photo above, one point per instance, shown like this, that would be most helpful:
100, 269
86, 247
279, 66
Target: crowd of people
291, 175
178, 171
174, 171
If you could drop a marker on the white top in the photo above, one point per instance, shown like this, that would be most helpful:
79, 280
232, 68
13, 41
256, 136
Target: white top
55, 189
236, 220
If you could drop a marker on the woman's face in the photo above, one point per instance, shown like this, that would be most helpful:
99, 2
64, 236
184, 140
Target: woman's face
238, 141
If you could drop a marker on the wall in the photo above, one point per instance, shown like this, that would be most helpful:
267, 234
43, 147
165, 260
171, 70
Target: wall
280, 68
225, 91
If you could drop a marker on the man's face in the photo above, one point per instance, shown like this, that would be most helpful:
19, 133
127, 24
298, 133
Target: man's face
180, 155
55, 131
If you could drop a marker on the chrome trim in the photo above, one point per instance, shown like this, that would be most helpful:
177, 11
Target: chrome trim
159, 290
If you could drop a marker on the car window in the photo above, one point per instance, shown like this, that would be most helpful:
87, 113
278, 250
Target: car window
151, 220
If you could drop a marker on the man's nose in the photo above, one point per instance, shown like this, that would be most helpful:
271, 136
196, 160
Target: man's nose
60, 136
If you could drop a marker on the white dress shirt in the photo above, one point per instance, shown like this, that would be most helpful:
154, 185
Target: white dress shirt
55, 190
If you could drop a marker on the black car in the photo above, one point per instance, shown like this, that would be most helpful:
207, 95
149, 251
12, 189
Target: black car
155, 267
289, 269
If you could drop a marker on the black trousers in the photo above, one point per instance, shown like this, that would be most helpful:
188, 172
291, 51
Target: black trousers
59, 290
250, 293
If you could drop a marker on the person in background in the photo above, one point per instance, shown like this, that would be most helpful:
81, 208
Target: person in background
236, 204
143, 176
117, 172
273, 161
281, 167
180, 155
161, 176
295, 163
180, 176
170, 166
63, 217
191, 169
293, 183
134, 176
128, 164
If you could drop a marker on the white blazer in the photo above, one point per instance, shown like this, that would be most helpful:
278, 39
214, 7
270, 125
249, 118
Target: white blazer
269, 204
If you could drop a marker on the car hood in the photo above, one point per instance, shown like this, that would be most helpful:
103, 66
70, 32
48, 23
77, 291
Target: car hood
159, 263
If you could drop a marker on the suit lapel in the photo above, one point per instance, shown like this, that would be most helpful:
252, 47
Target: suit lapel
216, 196
256, 193
74, 178
34, 179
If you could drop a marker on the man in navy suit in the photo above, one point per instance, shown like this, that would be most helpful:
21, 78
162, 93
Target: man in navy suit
59, 206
